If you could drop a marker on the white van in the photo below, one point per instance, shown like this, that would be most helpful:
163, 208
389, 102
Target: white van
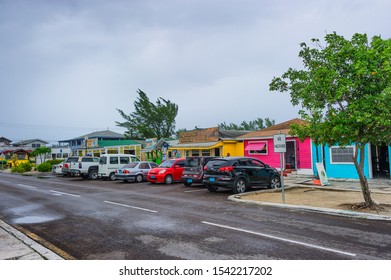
110, 162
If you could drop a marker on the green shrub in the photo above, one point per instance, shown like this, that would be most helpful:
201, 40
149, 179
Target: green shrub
54, 161
23, 167
44, 167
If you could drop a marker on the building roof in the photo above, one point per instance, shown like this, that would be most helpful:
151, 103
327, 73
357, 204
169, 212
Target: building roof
283, 128
26, 142
3, 139
104, 134
231, 134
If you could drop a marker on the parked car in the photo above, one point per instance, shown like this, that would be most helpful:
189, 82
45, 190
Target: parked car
66, 168
134, 171
110, 162
239, 173
57, 168
194, 169
86, 167
169, 171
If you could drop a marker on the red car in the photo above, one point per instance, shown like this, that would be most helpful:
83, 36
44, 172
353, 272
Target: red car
169, 171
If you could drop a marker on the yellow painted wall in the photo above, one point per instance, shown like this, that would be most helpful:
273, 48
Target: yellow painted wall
233, 148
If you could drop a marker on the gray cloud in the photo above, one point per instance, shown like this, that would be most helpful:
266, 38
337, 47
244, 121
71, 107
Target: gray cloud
67, 65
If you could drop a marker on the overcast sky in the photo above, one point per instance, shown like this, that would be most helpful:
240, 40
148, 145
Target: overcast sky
65, 66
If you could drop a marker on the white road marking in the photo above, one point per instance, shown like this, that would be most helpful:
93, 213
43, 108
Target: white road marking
129, 206
63, 193
283, 239
27, 186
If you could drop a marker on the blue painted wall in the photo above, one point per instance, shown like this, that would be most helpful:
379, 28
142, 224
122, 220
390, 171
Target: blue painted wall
337, 170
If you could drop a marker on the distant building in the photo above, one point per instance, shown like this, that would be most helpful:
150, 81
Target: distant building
90, 140
208, 142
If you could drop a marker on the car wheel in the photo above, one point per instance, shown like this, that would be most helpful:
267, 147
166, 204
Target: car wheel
168, 179
139, 178
211, 189
239, 186
112, 176
93, 175
275, 182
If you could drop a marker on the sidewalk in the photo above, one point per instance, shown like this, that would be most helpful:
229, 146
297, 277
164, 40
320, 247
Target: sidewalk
14, 245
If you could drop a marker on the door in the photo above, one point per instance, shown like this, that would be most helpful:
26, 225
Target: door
290, 155
380, 161
260, 176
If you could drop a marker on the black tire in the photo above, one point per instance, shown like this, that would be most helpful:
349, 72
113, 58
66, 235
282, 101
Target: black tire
112, 176
168, 180
275, 182
211, 189
139, 178
187, 184
93, 175
239, 186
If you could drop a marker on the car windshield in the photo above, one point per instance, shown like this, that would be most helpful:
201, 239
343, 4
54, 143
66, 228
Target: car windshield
192, 162
167, 163
131, 165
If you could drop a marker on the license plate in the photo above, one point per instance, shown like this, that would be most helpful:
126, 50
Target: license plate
152, 176
189, 180
211, 179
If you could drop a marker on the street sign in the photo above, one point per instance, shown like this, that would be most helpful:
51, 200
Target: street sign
279, 141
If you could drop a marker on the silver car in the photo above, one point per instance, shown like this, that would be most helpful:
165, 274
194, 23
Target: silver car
135, 171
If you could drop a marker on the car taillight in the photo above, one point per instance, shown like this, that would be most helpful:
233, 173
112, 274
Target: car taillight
125, 171
226, 168
66, 165
116, 171
205, 168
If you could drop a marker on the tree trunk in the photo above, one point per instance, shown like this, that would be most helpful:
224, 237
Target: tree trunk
363, 179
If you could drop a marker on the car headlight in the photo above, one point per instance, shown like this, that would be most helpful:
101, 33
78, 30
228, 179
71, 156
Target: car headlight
162, 171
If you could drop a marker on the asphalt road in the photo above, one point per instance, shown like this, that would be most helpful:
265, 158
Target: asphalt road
115, 220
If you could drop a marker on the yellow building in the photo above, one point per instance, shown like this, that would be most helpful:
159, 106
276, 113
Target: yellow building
208, 142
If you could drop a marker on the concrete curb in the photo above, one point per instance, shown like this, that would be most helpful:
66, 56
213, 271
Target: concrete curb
29, 249
346, 213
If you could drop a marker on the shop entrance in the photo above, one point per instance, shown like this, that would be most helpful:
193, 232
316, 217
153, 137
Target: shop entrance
380, 161
290, 155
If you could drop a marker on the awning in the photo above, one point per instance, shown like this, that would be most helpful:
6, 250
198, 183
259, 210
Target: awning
255, 146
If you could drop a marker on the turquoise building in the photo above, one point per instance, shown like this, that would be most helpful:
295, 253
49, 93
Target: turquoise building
337, 161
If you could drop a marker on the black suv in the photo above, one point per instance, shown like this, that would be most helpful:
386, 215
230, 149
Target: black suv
239, 173
194, 169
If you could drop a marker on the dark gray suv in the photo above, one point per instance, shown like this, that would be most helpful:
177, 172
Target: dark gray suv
239, 173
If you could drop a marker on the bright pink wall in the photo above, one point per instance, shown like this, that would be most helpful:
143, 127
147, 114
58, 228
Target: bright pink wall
303, 153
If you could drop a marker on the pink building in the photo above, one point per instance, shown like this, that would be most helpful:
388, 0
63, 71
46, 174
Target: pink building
298, 156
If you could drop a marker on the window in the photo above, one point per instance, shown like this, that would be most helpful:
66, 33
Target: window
124, 160
113, 160
342, 155
36, 145
195, 152
257, 147
144, 166
205, 153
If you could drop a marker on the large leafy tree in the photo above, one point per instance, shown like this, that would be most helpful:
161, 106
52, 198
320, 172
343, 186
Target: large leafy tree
345, 94
257, 124
150, 120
